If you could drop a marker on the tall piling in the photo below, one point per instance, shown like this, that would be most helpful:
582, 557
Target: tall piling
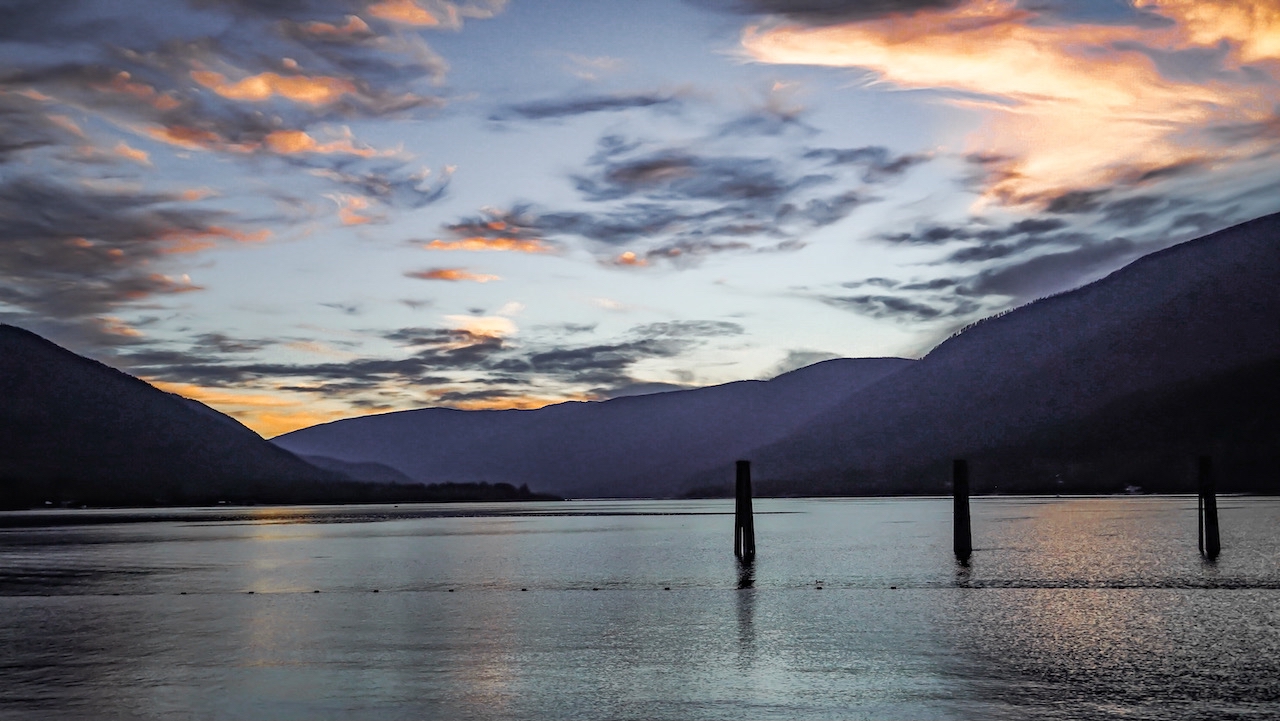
963, 540
1210, 544
744, 527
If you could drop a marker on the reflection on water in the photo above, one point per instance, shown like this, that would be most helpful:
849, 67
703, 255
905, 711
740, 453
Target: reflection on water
746, 613
1069, 608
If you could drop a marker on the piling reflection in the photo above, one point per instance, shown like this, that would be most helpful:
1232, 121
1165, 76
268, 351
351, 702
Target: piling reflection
746, 614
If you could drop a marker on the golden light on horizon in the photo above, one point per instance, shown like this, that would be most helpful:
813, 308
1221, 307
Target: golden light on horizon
267, 414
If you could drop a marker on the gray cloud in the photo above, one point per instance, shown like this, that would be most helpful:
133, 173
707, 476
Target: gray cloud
685, 204
434, 353
770, 119
584, 105
680, 205
877, 162
1197, 65
1266, 129
1138, 209
180, 88
75, 254
935, 234
822, 12
796, 359
1054, 272
24, 126
900, 307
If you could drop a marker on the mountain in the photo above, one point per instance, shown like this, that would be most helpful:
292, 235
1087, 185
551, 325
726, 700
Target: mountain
1122, 381
632, 446
73, 429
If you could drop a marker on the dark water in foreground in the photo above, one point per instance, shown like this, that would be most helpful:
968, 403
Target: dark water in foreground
1071, 608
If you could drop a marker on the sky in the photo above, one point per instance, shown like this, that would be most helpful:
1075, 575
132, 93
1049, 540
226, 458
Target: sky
304, 210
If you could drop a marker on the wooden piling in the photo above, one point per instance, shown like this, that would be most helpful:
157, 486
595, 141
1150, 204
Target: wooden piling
1210, 544
960, 495
744, 528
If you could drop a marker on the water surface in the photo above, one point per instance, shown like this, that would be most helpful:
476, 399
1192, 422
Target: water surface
854, 608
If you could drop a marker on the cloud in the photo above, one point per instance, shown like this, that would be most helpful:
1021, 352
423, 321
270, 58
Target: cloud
878, 163
403, 11
796, 359
451, 274
888, 306
25, 126
819, 12
317, 90
79, 253
681, 205
776, 114
937, 234
585, 105
592, 67
390, 185
484, 326
277, 86
1069, 106
514, 230
290, 142
1054, 272
468, 363
1138, 209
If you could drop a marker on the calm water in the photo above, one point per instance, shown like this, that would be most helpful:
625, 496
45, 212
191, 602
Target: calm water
1071, 608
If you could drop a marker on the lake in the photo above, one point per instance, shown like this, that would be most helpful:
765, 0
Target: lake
854, 608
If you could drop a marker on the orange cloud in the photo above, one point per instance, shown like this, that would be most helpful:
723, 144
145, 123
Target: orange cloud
488, 326
352, 28
196, 139
123, 150
1253, 26
311, 90
1062, 102
517, 245
122, 82
114, 326
289, 142
194, 194
452, 274
67, 124
349, 207
630, 258
406, 12
196, 241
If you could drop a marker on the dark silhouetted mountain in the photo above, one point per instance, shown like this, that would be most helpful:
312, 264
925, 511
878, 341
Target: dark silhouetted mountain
1121, 382
73, 429
633, 446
